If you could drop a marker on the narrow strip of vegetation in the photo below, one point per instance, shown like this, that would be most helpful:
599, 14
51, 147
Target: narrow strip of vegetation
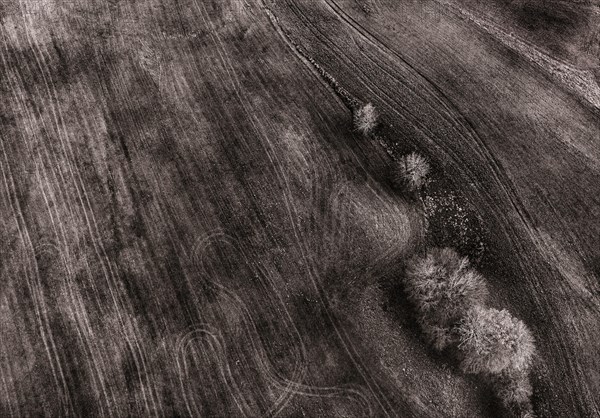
449, 296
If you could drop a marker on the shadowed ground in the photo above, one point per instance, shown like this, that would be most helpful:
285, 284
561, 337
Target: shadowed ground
191, 227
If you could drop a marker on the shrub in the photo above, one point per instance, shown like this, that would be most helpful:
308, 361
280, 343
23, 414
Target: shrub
438, 336
411, 171
513, 387
493, 341
443, 289
365, 119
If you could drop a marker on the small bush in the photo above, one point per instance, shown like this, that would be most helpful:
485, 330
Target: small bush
411, 171
438, 336
365, 119
443, 289
493, 341
513, 388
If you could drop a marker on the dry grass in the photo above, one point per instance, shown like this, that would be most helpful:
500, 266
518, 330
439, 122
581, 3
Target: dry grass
443, 289
411, 171
493, 341
365, 119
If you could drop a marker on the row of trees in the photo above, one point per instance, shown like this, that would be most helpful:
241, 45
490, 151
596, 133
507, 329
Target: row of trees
450, 299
